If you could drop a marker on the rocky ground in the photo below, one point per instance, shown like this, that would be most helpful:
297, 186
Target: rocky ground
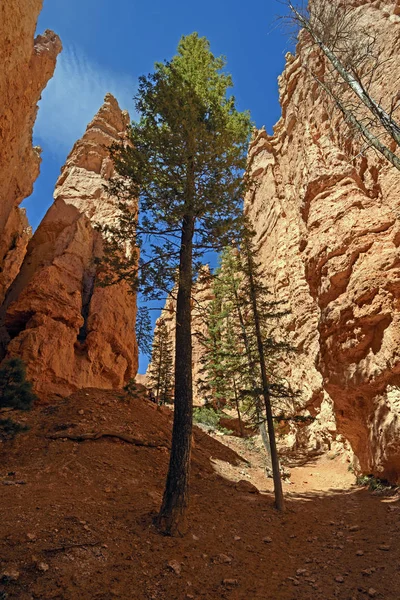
76, 517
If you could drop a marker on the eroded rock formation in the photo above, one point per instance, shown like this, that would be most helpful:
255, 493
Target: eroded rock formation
202, 294
26, 66
70, 332
329, 232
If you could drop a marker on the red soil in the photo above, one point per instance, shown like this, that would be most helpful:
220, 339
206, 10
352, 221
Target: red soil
76, 518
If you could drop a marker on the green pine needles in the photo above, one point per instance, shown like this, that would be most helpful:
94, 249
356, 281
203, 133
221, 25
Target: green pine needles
184, 161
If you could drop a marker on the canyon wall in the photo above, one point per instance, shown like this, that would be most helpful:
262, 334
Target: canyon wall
328, 228
70, 332
26, 66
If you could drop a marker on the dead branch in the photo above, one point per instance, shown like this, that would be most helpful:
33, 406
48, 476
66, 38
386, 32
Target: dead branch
83, 437
68, 546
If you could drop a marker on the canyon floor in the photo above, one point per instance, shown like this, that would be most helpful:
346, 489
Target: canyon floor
76, 518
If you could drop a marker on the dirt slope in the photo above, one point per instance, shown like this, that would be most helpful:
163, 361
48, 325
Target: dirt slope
76, 518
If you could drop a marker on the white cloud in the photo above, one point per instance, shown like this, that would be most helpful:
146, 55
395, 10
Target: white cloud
73, 96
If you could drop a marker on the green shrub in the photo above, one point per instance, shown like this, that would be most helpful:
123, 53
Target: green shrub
9, 429
206, 416
225, 431
15, 390
372, 483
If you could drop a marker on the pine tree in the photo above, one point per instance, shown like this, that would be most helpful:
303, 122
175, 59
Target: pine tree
184, 160
15, 391
256, 297
248, 356
222, 361
143, 330
160, 371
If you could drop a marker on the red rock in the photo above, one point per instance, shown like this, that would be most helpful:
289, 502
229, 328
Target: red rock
328, 229
71, 333
26, 66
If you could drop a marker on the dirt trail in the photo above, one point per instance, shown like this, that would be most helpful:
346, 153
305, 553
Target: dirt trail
76, 518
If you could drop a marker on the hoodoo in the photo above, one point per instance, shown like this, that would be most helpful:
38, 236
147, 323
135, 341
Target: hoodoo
70, 332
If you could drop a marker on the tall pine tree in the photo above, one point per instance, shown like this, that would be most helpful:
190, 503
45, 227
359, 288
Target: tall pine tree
184, 161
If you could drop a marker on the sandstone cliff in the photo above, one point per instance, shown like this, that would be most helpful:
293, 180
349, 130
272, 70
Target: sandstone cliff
71, 333
26, 66
329, 233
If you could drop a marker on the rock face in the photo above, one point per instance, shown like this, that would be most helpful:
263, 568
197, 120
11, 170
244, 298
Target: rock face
71, 333
26, 66
329, 232
202, 294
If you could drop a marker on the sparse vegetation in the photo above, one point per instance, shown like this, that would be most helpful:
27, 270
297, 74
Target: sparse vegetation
15, 391
206, 416
374, 484
131, 387
9, 429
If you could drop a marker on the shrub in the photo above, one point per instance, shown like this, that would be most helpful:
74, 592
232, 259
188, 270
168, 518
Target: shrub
373, 483
131, 387
9, 429
15, 390
206, 416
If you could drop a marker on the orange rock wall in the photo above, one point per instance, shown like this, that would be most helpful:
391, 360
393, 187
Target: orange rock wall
70, 332
328, 228
26, 66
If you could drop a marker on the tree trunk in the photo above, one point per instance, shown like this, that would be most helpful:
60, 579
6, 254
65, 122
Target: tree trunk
171, 518
267, 398
263, 433
386, 120
366, 133
265, 440
159, 372
237, 408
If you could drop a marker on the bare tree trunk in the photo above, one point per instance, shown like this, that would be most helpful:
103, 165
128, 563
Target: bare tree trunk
171, 518
237, 408
385, 119
265, 439
365, 132
159, 371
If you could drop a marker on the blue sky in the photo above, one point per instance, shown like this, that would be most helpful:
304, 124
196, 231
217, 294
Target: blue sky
108, 44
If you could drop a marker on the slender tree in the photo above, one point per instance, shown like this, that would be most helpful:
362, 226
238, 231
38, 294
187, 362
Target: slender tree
254, 287
143, 330
184, 160
247, 356
160, 370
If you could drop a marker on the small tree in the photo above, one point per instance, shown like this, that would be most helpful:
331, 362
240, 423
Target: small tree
245, 355
143, 330
254, 291
160, 372
184, 161
351, 52
15, 391
222, 360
